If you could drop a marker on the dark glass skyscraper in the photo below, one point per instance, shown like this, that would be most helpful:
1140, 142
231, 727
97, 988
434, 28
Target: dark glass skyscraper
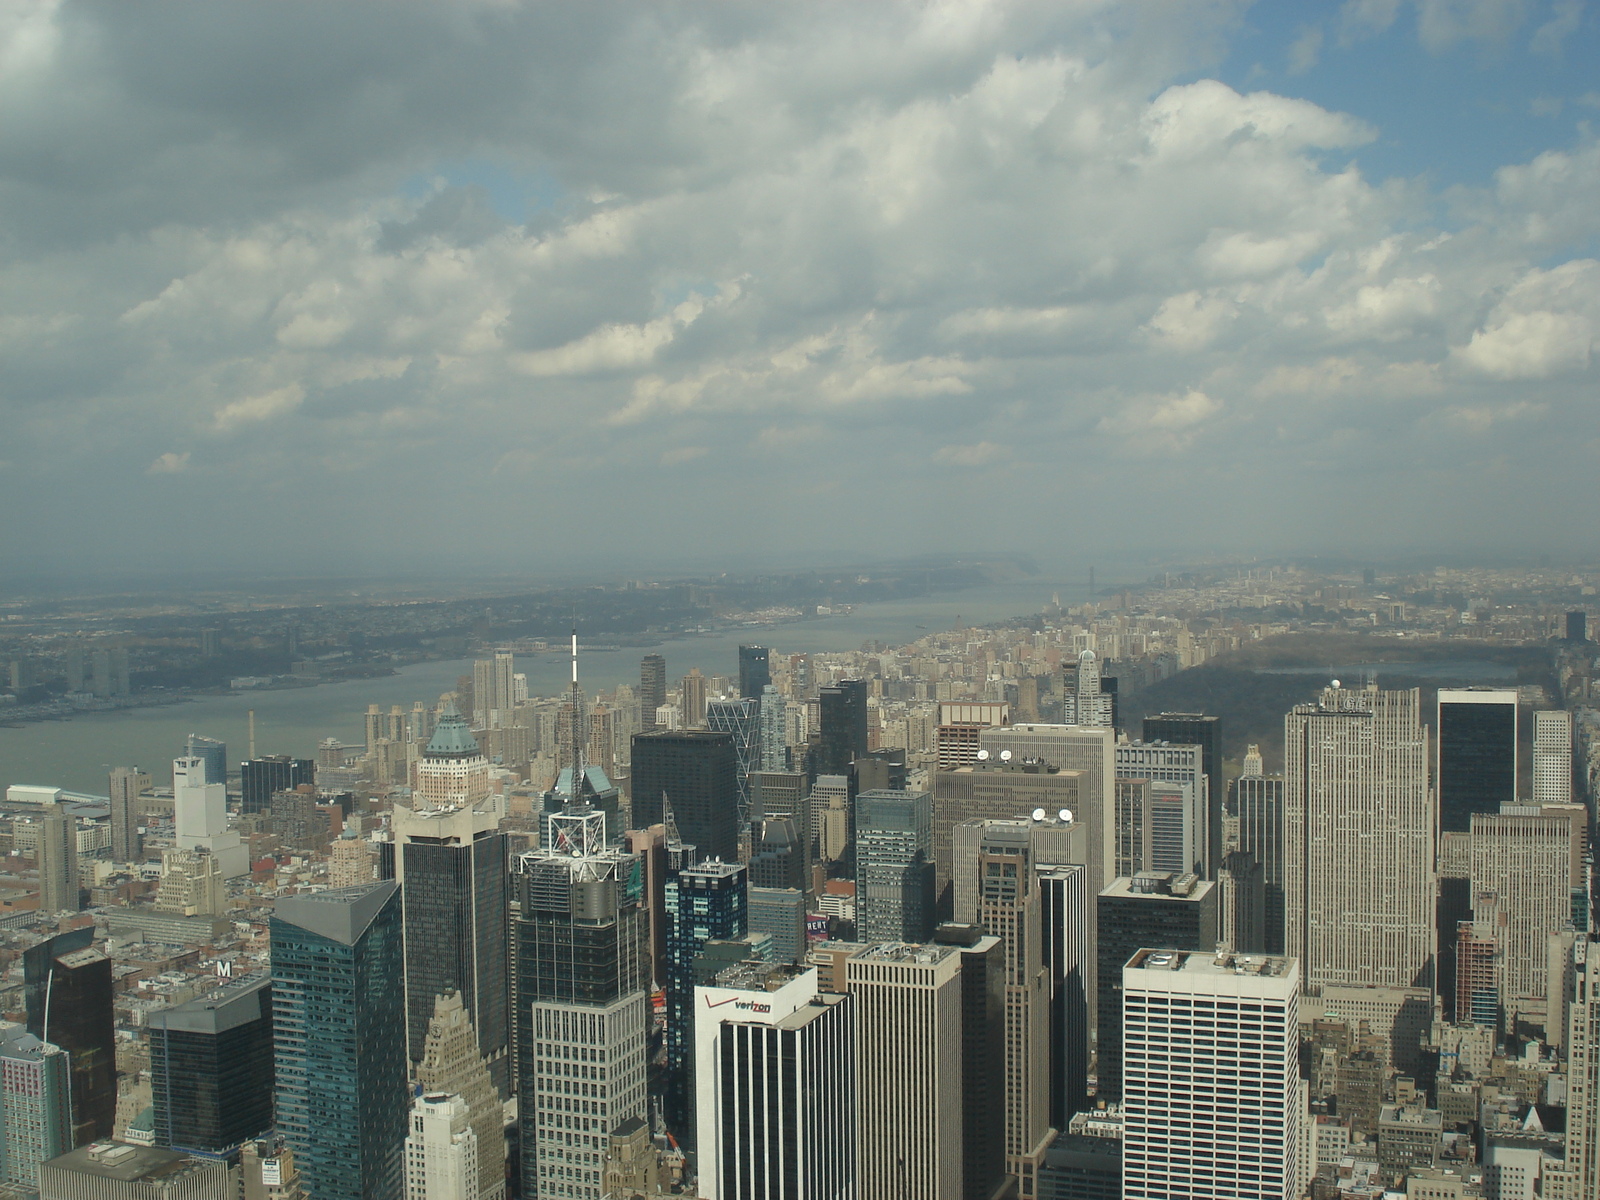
211, 752
894, 866
1197, 729
706, 902
1149, 910
452, 866
339, 1032
754, 673
698, 773
259, 778
1258, 802
581, 1008
1577, 626
843, 721
211, 1068
1477, 753
67, 991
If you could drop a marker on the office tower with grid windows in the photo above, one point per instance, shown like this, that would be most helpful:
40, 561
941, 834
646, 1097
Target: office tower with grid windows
57, 855
894, 866
35, 1105
696, 773
127, 845
339, 1036
1359, 889
262, 778
1197, 729
1225, 1124
582, 1004
1175, 832
1258, 807
776, 1111
452, 1065
441, 1150
1552, 756
652, 690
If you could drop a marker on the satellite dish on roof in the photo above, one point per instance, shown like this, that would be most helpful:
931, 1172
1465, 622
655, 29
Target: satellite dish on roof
1005, 756
983, 756
1335, 683
1066, 815
1038, 814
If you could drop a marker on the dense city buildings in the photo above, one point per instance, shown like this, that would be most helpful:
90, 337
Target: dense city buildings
695, 773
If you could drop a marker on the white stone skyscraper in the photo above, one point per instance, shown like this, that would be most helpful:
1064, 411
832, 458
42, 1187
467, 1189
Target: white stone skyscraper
442, 1150
1552, 756
1359, 839
1225, 1123
1090, 705
200, 815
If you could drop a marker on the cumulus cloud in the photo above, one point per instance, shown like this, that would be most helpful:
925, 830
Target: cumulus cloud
498, 247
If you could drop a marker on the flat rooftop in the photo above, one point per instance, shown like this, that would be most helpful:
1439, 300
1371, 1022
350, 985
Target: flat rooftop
1197, 963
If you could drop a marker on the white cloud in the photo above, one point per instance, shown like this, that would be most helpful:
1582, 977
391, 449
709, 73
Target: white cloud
1547, 325
979, 454
263, 407
171, 463
1191, 321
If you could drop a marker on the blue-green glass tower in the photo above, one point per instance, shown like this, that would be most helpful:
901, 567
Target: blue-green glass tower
339, 1031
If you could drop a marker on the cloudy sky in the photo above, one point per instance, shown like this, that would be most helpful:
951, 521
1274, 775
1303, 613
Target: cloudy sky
386, 286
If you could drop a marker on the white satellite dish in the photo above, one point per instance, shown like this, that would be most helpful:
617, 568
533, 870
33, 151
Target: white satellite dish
983, 756
1005, 756
1335, 683
1066, 815
1038, 814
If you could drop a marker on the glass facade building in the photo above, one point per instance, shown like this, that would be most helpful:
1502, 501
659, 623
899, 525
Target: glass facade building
339, 1034
1477, 733
706, 902
211, 1068
697, 771
67, 988
259, 778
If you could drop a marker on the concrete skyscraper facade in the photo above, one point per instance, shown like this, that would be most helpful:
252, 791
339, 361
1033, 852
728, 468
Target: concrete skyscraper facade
441, 1150
776, 1106
1552, 756
1175, 834
339, 1039
126, 842
200, 817
1225, 1124
1197, 729
56, 852
1359, 840
35, 1105
652, 690
1089, 703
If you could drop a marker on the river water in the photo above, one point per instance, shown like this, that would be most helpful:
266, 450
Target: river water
77, 754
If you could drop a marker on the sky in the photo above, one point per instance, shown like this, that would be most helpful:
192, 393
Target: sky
486, 286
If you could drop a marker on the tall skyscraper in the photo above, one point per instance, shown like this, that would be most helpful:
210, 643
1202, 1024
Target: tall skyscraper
842, 714
693, 690
776, 1102
928, 1061
1147, 910
339, 1031
57, 854
1477, 731
1225, 1124
696, 771
200, 817
1090, 703
894, 866
1359, 840
780, 913
67, 989
754, 673
774, 722
492, 690
453, 868
1552, 756
652, 690
262, 778
581, 1007
740, 720
35, 1105
211, 1068
452, 1065
1527, 862
1579, 1178
453, 770
1005, 901
1069, 920
1197, 729
1156, 827
1577, 626
992, 788
706, 902
1174, 831
126, 843
1258, 803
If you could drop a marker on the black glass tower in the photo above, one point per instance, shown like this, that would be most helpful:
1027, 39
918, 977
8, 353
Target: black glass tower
698, 773
652, 689
843, 721
211, 1068
705, 903
1577, 626
67, 991
754, 672
1477, 753
1197, 729
259, 778
339, 1035
454, 897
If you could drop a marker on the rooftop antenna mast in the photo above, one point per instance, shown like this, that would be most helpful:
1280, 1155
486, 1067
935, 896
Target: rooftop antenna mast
575, 796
